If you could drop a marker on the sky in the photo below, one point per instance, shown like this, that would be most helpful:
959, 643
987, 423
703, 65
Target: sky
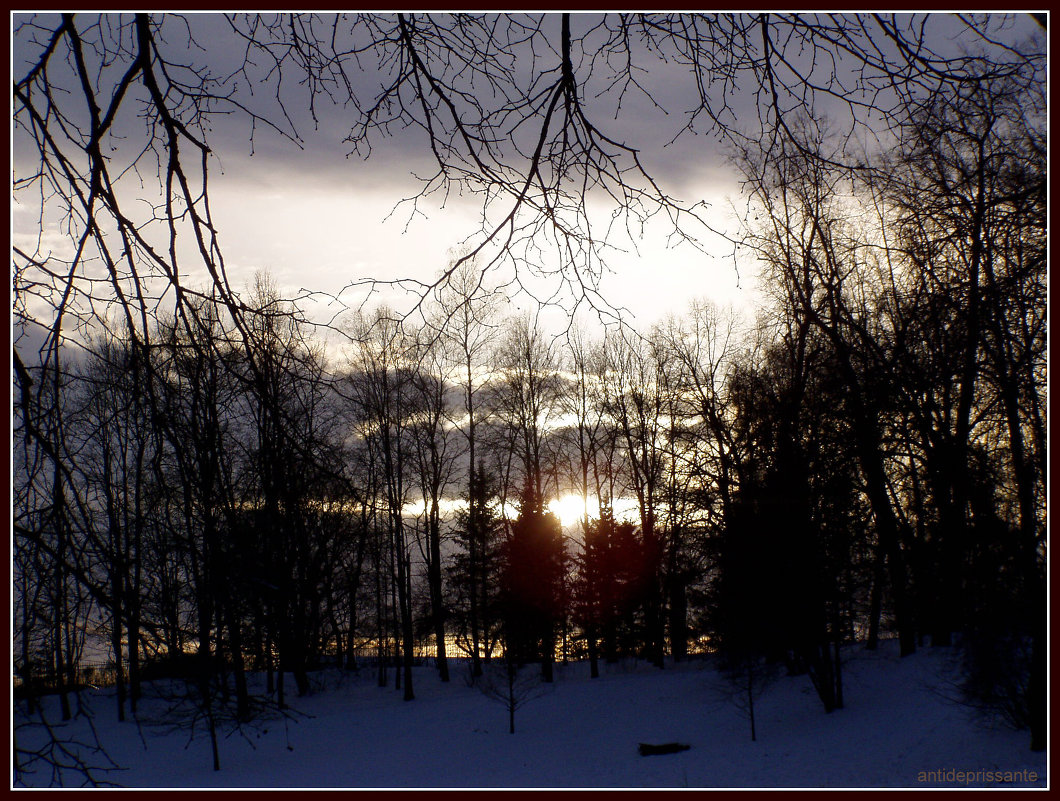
320, 218
313, 232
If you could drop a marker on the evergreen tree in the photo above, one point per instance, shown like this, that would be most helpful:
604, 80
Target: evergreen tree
610, 589
474, 569
532, 585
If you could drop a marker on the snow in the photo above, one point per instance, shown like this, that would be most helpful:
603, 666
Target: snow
898, 723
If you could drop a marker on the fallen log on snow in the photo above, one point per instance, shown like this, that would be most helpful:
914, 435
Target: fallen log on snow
647, 749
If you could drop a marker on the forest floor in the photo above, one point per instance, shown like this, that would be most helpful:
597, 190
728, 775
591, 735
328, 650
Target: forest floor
900, 728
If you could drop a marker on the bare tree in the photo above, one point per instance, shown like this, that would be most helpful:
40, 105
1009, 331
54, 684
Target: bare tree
465, 322
910, 308
510, 684
436, 448
117, 405
526, 397
384, 360
966, 194
636, 396
803, 242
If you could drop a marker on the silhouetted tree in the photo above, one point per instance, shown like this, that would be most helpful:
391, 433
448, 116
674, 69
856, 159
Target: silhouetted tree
749, 594
475, 570
531, 599
967, 191
611, 589
436, 450
636, 397
117, 408
384, 400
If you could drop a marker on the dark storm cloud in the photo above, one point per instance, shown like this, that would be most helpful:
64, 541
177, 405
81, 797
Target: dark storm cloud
322, 154
650, 117
312, 146
652, 114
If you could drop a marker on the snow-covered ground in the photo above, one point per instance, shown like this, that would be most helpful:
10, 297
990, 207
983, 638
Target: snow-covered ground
896, 728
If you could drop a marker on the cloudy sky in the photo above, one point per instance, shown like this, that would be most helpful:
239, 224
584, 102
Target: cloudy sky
320, 218
322, 228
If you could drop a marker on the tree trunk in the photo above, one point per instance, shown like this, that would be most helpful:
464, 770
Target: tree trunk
134, 657
115, 640
435, 580
235, 646
678, 618
476, 658
405, 602
876, 597
270, 672
205, 670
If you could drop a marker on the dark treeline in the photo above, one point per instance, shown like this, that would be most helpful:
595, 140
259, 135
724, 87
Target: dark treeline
213, 492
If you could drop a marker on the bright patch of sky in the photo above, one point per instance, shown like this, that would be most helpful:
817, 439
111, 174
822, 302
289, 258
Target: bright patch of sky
571, 509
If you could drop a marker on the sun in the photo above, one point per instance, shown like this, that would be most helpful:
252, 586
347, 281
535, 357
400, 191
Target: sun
571, 508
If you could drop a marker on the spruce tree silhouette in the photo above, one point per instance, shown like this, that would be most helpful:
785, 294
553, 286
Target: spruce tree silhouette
531, 586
